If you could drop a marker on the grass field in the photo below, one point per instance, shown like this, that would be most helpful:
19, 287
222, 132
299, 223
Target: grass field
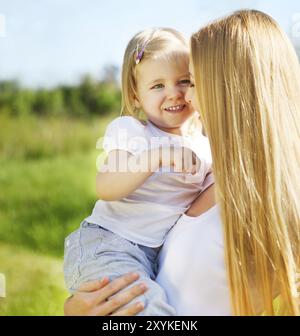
47, 186
34, 282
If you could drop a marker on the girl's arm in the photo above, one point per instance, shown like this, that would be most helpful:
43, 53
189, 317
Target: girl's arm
123, 173
101, 298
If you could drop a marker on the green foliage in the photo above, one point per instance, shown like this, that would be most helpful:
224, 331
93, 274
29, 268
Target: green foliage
33, 138
47, 182
89, 97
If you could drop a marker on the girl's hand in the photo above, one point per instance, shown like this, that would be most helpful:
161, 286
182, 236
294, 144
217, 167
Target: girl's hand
184, 160
93, 298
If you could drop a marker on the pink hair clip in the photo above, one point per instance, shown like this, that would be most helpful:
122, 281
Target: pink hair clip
139, 54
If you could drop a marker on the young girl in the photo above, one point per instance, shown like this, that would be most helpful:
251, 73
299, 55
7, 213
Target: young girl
141, 197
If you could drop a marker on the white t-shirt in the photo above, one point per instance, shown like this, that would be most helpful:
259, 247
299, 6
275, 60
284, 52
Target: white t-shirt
146, 215
192, 266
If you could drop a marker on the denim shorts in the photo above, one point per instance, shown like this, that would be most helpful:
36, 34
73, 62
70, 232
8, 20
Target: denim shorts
92, 252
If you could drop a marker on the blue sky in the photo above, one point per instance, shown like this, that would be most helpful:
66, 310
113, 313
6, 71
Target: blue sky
49, 42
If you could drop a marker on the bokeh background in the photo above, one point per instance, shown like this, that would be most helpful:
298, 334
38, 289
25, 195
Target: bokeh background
59, 87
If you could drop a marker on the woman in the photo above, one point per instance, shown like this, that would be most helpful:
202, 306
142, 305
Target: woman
247, 84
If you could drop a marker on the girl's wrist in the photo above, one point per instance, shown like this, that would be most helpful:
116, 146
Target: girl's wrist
152, 159
156, 158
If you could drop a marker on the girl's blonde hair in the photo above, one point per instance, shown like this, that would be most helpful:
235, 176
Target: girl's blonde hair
248, 82
159, 44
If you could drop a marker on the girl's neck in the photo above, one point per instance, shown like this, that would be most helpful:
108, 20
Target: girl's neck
179, 131
174, 131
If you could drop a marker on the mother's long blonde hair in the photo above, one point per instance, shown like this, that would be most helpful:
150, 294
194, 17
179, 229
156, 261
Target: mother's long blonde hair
248, 89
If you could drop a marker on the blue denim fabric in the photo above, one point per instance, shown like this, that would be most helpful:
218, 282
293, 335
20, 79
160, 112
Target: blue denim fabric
92, 252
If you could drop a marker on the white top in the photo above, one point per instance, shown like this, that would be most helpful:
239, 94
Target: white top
192, 266
147, 214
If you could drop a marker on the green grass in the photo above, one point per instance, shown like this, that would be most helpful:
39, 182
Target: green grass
45, 199
47, 187
35, 138
34, 283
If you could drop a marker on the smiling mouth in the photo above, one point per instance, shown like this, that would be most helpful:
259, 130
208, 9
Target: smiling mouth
177, 108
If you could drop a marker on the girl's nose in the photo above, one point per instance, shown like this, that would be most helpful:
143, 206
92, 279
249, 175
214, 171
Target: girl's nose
175, 92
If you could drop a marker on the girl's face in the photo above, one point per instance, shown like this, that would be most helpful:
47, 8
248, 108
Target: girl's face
161, 88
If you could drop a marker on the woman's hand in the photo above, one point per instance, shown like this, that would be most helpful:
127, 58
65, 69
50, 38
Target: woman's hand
94, 298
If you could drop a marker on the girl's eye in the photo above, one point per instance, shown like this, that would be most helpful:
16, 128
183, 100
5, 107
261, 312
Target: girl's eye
192, 84
185, 82
157, 86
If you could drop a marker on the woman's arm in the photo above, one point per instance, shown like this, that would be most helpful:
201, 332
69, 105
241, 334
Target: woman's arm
203, 202
94, 298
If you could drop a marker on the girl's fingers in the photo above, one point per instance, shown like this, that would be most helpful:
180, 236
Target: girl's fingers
114, 287
194, 158
193, 170
120, 300
198, 164
94, 285
130, 310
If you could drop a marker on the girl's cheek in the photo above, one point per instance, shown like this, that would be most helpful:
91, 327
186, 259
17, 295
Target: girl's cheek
185, 90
